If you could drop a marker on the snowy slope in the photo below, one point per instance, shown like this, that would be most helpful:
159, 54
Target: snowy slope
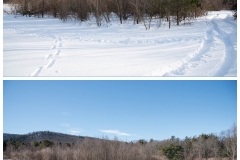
49, 47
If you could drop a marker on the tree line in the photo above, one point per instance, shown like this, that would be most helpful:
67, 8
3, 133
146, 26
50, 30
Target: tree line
202, 147
139, 11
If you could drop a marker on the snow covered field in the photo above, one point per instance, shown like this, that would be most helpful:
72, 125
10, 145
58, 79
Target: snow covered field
50, 47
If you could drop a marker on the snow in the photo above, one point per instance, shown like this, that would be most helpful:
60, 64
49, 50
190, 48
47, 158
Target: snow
50, 47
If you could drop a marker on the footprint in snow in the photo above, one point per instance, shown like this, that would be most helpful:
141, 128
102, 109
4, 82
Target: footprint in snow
53, 47
47, 57
59, 44
57, 52
36, 72
50, 64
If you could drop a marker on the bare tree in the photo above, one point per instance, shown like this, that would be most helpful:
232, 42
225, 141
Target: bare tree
214, 145
54, 7
229, 139
123, 9
95, 7
63, 9
201, 147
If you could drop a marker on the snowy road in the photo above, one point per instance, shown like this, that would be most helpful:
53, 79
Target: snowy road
49, 47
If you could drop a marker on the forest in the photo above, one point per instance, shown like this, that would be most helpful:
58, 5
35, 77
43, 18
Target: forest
138, 11
202, 147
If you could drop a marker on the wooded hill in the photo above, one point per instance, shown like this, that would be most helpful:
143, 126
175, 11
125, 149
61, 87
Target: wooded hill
139, 11
43, 135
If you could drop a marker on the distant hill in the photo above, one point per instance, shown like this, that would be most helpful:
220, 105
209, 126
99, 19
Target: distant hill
44, 135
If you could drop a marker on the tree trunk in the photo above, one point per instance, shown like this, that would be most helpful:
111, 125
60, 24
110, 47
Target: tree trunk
178, 18
169, 22
43, 8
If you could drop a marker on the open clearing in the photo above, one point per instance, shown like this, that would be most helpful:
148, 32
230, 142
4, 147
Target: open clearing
50, 47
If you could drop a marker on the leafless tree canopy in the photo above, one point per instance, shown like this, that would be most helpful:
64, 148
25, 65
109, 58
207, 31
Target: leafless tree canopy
140, 11
203, 147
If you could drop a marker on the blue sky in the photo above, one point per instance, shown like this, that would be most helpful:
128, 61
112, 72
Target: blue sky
130, 110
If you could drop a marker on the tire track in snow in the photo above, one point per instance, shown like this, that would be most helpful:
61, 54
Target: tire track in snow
152, 39
230, 55
50, 58
194, 59
155, 35
141, 39
203, 53
133, 41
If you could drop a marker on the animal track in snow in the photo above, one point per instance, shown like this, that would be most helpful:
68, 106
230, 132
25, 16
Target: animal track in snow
53, 47
50, 63
36, 72
47, 57
57, 52
51, 57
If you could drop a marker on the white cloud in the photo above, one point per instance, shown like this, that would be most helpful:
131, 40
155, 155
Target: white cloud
65, 125
75, 131
116, 132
